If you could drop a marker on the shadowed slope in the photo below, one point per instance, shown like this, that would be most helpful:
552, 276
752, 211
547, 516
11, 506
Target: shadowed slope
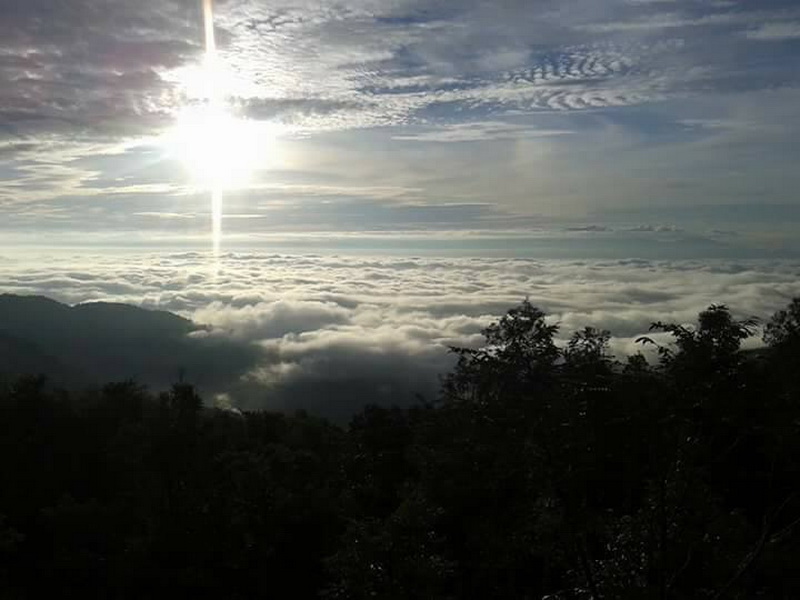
97, 342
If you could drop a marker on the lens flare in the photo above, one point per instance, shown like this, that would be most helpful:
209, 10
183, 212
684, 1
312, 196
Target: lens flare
208, 20
216, 222
219, 150
213, 99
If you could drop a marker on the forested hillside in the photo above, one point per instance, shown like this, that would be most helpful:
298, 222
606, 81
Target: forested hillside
89, 344
541, 471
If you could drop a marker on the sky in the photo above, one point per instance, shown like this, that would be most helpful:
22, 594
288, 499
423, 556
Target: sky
543, 128
353, 187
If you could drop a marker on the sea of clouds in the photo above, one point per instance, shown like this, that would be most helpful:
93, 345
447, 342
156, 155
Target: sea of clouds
338, 332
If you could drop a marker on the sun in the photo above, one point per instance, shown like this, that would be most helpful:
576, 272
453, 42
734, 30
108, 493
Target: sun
219, 150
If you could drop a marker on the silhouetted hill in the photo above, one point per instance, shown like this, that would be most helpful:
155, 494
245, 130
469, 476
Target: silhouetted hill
96, 342
130, 320
37, 316
19, 357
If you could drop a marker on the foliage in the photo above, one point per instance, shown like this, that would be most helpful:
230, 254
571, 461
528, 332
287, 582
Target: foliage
784, 327
544, 470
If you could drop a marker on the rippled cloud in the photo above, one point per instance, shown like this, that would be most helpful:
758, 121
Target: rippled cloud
469, 103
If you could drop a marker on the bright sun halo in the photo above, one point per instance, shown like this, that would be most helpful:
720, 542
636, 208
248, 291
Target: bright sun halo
219, 150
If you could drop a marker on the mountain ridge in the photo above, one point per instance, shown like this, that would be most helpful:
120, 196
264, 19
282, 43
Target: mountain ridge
93, 342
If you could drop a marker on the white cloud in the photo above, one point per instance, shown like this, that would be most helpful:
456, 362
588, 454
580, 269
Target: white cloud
480, 131
254, 322
674, 20
356, 329
774, 32
665, 21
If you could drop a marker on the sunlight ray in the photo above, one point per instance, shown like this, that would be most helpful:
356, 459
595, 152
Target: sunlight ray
213, 98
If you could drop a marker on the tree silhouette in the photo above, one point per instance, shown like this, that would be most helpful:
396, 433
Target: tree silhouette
546, 469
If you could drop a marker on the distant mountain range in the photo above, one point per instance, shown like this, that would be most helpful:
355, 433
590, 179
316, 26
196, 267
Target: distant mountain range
94, 343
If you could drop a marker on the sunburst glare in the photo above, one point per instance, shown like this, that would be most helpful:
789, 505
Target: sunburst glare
219, 150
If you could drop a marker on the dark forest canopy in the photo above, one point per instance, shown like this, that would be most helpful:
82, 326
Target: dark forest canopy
541, 471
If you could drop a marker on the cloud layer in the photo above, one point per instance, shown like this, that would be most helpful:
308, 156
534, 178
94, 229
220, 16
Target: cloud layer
506, 112
370, 62
337, 332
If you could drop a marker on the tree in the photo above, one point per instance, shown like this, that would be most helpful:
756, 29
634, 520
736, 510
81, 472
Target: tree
547, 469
519, 356
783, 329
714, 344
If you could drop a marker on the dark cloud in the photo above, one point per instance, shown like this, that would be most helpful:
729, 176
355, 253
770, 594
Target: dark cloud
590, 228
85, 66
655, 229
